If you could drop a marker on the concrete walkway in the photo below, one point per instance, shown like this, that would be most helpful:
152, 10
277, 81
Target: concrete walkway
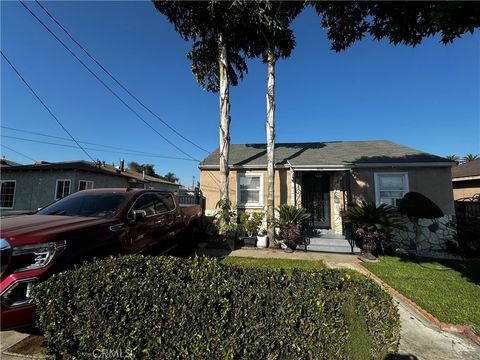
420, 339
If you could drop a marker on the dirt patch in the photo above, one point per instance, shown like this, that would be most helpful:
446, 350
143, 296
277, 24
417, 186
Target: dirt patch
30, 347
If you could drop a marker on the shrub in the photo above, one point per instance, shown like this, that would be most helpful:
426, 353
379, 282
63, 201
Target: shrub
373, 224
251, 222
169, 308
417, 206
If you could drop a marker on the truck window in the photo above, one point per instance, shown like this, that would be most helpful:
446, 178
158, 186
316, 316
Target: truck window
165, 203
145, 202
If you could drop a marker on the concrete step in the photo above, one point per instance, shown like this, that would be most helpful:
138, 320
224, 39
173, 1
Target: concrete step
323, 233
333, 249
333, 241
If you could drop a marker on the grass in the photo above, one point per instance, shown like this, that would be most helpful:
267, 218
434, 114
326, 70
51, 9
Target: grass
269, 263
447, 289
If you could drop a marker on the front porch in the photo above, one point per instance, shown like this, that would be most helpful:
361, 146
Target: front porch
324, 194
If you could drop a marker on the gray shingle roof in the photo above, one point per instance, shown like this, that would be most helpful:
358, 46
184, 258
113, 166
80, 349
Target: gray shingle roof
345, 153
471, 168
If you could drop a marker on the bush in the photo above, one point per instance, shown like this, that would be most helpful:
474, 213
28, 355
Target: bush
417, 206
169, 308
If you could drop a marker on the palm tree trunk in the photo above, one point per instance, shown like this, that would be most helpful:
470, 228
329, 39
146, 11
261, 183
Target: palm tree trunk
224, 117
270, 128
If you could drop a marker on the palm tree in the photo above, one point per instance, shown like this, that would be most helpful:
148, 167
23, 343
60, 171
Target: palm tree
218, 30
274, 19
469, 157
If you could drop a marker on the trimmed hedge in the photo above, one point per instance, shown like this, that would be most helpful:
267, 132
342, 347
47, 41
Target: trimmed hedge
169, 308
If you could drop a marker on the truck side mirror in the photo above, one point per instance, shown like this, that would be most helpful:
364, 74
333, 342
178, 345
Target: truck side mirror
137, 215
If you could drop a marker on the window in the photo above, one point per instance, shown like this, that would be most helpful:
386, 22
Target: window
146, 202
62, 189
7, 193
85, 185
390, 187
250, 190
164, 203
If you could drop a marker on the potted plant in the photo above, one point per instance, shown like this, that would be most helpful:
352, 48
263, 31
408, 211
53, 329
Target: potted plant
227, 227
262, 239
290, 222
372, 225
251, 224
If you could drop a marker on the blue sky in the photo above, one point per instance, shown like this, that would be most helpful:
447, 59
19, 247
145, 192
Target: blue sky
426, 97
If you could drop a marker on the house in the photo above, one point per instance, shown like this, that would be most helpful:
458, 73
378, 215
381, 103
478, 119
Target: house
28, 187
324, 177
466, 179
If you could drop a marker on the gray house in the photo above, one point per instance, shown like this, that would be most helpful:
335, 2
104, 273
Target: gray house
28, 187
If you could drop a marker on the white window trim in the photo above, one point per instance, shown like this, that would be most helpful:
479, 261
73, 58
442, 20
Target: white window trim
14, 190
86, 181
377, 183
260, 196
56, 188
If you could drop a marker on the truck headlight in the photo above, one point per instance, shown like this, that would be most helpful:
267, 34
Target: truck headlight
36, 256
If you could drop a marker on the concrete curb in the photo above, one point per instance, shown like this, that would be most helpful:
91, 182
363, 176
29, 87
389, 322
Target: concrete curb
461, 329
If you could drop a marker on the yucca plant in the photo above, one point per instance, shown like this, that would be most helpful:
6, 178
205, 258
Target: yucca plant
372, 223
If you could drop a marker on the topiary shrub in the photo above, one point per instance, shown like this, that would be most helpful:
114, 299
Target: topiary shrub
417, 206
170, 308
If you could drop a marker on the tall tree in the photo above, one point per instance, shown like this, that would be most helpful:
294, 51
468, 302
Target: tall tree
218, 30
170, 176
403, 22
276, 41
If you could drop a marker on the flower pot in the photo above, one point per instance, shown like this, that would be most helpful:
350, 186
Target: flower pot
262, 241
250, 241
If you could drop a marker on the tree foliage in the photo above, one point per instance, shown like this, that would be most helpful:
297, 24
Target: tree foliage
170, 176
406, 22
202, 22
140, 168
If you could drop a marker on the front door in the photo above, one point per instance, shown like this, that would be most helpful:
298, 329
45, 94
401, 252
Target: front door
316, 198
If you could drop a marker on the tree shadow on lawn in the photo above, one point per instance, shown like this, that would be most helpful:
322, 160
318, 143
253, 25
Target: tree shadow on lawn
469, 269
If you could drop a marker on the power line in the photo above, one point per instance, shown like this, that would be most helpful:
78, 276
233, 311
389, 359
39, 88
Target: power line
17, 152
98, 150
103, 83
117, 81
44, 105
89, 143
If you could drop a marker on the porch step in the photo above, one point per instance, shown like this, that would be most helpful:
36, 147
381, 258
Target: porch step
328, 233
329, 244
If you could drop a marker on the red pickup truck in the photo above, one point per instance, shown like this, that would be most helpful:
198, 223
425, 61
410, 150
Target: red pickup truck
89, 223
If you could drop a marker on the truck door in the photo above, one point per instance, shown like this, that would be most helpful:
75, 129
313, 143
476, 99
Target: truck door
169, 220
142, 232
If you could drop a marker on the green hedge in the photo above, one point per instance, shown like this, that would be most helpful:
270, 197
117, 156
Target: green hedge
169, 308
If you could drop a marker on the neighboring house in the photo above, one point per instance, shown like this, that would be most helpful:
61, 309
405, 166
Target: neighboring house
325, 177
28, 187
466, 179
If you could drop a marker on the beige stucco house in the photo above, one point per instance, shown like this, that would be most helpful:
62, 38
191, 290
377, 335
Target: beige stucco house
325, 177
466, 180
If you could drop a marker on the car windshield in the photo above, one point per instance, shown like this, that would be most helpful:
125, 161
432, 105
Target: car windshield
89, 204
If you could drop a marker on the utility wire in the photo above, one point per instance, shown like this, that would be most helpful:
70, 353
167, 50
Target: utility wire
103, 83
131, 151
44, 105
117, 81
17, 152
98, 150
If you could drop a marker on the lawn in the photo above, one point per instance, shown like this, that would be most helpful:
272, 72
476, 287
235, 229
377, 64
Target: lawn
447, 289
269, 263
